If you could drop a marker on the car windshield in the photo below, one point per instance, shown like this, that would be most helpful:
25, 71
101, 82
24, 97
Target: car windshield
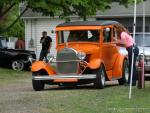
78, 36
139, 39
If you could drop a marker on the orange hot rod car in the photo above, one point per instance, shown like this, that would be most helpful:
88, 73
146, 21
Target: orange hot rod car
87, 52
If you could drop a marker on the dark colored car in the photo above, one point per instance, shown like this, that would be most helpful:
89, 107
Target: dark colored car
17, 59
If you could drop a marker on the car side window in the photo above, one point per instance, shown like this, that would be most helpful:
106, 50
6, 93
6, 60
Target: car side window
107, 35
61, 39
115, 34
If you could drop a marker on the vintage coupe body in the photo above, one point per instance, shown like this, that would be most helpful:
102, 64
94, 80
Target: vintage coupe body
87, 52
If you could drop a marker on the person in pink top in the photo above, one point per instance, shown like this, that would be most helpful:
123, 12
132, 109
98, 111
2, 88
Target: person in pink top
128, 42
126, 39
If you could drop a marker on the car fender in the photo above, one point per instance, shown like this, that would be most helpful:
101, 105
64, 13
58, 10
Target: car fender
117, 68
16, 56
40, 65
95, 63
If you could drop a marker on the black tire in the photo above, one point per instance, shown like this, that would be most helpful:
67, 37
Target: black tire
17, 65
125, 73
37, 85
100, 78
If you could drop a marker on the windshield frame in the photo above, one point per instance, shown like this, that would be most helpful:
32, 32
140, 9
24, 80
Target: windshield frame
84, 35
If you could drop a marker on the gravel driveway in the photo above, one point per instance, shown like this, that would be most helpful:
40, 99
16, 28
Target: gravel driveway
17, 96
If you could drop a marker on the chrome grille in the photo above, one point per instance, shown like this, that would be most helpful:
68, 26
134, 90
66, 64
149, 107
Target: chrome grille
67, 61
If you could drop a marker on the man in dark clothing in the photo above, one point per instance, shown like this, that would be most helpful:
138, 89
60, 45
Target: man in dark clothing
46, 45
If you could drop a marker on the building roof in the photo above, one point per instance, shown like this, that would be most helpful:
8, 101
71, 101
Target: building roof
121, 11
89, 23
30, 14
115, 11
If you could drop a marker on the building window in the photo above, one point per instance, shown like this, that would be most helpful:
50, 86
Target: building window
147, 29
130, 29
139, 29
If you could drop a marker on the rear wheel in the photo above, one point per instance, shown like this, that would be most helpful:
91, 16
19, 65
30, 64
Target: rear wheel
125, 73
17, 65
100, 78
37, 85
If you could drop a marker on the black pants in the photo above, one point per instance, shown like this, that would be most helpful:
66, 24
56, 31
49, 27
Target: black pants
43, 55
134, 78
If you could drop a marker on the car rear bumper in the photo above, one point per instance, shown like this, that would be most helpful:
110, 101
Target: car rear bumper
65, 78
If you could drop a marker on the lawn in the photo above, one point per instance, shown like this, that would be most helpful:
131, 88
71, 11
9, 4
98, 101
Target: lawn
17, 96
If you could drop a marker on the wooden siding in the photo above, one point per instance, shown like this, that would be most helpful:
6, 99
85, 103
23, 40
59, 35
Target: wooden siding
34, 29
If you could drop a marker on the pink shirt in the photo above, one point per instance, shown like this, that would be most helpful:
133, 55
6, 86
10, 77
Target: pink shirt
126, 39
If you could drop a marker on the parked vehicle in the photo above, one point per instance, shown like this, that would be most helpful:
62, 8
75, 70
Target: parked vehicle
14, 58
87, 52
144, 48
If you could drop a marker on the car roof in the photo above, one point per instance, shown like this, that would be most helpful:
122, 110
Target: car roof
88, 23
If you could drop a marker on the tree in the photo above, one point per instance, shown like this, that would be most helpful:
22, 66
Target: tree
10, 24
65, 8
62, 8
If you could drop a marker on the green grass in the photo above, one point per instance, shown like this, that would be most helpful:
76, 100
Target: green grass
109, 100
8, 75
112, 99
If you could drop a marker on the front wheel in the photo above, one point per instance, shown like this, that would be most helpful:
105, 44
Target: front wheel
125, 73
100, 78
37, 85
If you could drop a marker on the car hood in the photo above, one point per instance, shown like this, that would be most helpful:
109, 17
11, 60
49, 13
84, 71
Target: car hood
123, 51
18, 51
84, 47
146, 51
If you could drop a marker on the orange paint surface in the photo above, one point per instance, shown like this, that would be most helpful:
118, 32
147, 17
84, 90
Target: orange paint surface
66, 80
100, 52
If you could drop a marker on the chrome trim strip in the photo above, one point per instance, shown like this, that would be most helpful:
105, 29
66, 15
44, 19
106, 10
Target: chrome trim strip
69, 61
89, 76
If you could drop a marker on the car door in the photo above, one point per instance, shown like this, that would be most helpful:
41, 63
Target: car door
116, 49
1, 52
109, 49
3, 57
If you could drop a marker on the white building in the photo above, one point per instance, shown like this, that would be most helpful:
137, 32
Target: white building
35, 24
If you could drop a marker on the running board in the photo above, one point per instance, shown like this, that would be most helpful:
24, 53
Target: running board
58, 77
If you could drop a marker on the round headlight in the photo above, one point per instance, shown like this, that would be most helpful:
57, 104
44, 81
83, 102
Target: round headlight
81, 55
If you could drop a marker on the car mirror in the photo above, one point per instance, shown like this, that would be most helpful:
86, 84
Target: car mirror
107, 29
31, 60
